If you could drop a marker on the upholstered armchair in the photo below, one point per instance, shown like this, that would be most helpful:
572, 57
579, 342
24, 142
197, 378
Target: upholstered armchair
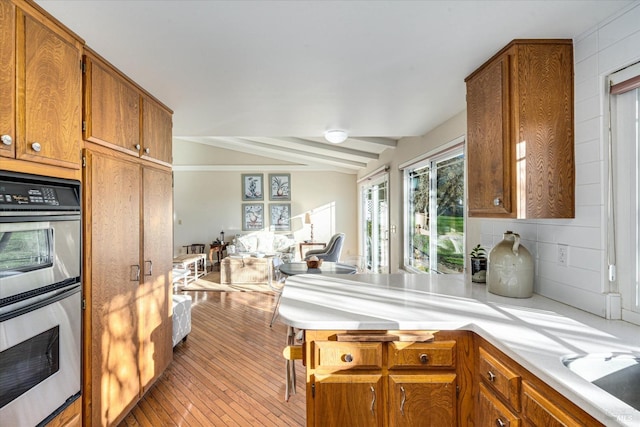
331, 252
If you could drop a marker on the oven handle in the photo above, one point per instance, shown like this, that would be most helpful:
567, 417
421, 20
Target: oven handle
55, 297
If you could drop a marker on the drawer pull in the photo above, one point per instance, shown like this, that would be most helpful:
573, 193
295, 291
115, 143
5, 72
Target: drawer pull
404, 399
500, 423
424, 358
497, 201
6, 139
348, 358
492, 376
373, 401
36, 147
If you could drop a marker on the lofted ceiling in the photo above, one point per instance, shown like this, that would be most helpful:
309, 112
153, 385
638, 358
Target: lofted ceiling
269, 77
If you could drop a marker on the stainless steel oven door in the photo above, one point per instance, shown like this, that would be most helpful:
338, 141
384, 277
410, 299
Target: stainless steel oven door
38, 254
40, 365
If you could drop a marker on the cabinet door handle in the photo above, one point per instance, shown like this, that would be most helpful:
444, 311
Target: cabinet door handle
424, 358
150, 268
404, 399
373, 401
500, 423
497, 201
147, 150
36, 147
6, 139
135, 269
137, 147
491, 375
348, 358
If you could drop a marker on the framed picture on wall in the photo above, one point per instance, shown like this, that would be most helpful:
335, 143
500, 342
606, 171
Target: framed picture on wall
252, 216
279, 186
280, 216
252, 186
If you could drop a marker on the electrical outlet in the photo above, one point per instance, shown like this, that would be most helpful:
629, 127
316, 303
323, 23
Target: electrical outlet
563, 255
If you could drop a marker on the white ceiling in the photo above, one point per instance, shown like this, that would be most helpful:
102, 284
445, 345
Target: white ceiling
265, 76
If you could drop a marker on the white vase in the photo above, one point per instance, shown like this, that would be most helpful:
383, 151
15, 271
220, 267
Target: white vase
510, 268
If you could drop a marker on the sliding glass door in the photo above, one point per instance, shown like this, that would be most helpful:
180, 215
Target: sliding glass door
375, 215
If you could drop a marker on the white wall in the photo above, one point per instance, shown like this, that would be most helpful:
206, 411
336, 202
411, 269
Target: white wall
613, 44
208, 201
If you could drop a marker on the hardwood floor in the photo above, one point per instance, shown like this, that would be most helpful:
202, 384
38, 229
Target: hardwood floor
229, 372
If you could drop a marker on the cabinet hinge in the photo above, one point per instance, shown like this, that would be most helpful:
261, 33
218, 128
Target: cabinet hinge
457, 391
83, 67
84, 304
84, 162
313, 390
84, 125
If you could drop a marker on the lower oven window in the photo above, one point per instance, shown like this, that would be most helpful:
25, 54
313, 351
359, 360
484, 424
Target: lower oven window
27, 364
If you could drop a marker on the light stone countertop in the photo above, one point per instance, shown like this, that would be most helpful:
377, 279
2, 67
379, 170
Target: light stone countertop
536, 332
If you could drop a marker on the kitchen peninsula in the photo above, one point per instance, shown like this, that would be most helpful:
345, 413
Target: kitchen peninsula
501, 358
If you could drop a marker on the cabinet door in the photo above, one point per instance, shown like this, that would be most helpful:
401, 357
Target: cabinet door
422, 400
540, 411
7, 79
49, 94
156, 132
112, 231
349, 400
492, 412
488, 141
111, 108
154, 297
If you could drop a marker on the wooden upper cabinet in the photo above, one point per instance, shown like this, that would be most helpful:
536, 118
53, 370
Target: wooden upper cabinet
520, 138
7, 79
157, 127
122, 116
111, 107
40, 88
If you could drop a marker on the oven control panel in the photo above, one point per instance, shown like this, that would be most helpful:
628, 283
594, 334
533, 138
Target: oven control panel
35, 196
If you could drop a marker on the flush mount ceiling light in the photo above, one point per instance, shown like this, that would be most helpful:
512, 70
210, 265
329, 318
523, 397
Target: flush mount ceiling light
336, 136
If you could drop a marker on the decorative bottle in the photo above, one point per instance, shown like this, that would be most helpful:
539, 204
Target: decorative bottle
510, 268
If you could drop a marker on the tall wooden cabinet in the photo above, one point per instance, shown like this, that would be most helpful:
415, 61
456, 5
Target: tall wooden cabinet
7, 78
128, 213
520, 139
40, 88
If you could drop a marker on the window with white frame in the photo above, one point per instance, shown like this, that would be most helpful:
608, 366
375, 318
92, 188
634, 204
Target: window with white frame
434, 212
624, 248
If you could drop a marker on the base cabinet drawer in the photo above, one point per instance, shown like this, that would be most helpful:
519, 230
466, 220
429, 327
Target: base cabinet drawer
438, 354
492, 412
500, 378
331, 355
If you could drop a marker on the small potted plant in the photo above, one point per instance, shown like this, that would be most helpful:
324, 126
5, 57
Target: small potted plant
478, 264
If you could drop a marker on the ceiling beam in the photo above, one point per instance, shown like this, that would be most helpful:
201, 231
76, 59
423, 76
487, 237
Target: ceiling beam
257, 147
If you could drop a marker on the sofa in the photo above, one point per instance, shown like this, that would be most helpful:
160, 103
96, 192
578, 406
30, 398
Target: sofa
264, 242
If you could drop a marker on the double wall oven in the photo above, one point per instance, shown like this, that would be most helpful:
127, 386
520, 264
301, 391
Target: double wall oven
40, 297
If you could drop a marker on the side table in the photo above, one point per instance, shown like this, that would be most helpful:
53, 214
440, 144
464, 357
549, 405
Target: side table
217, 248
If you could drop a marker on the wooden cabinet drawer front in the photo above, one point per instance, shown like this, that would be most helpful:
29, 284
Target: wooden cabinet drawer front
541, 412
439, 354
340, 355
500, 378
492, 412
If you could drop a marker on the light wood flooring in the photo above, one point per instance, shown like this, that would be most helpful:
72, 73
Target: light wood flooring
229, 372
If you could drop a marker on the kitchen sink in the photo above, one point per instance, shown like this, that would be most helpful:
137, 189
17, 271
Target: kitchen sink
616, 373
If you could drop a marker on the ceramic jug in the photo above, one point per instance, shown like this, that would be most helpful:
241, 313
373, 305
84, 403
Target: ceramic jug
510, 268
